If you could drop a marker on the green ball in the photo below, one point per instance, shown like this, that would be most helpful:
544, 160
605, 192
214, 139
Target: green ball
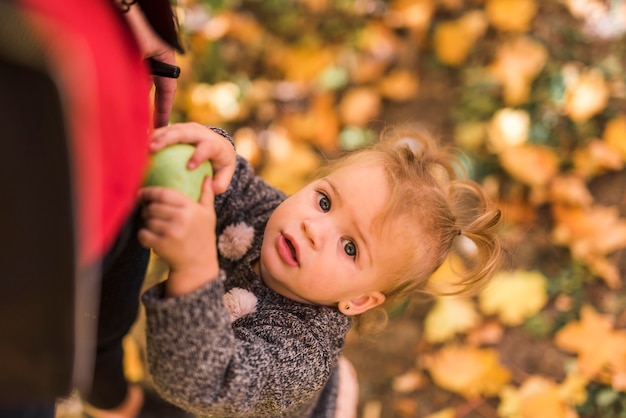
168, 168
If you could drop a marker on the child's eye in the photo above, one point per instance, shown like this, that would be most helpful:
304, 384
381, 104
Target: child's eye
323, 201
349, 248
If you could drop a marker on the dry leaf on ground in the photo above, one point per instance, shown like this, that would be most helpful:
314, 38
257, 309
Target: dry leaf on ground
591, 233
449, 316
468, 371
514, 296
511, 15
601, 349
454, 39
517, 63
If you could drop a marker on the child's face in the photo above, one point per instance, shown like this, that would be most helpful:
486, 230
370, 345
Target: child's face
320, 246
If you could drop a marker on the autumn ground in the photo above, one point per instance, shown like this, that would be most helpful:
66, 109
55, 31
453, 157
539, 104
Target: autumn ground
534, 93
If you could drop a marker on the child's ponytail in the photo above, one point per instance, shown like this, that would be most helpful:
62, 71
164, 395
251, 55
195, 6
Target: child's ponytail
442, 214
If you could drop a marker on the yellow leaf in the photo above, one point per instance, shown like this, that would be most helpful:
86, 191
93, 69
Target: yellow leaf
599, 347
533, 165
444, 413
514, 296
468, 371
511, 15
449, 316
517, 63
586, 94
454, 39
133, 365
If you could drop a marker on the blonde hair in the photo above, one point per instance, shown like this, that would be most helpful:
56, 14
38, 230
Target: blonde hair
438, 208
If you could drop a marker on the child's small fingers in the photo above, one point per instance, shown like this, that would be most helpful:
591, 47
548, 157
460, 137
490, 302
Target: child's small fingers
207, 198
162, 195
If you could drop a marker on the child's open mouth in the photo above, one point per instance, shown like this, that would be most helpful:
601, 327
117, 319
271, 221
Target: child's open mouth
287, 250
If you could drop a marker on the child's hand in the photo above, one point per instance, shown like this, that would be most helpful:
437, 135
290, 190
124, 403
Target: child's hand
209, 146
182, 232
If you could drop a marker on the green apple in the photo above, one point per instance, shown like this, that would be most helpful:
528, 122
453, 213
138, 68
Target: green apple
168, 168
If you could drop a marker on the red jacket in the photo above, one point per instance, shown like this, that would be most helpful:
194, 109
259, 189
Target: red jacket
105, 84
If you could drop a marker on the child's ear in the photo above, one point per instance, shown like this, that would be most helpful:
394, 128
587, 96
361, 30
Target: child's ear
361, 304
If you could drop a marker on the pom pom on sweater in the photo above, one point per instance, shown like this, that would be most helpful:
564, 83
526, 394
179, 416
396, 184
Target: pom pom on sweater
235, 240
240, 302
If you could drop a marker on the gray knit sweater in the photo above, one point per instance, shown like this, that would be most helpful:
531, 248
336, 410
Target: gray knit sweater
216, 352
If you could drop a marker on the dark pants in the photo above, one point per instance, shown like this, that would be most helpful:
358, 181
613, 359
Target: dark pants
123, 272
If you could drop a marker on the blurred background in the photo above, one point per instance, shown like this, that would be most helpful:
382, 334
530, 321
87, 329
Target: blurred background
533, 94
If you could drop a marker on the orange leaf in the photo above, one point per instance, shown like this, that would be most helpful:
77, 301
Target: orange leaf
615, 134
360, 106
586, 94
511, 15
515, 66
597, 157
468, 371
454, 39
414, 14
599, 347
400, 86
540, 397
591, 233
570, 190
533, 165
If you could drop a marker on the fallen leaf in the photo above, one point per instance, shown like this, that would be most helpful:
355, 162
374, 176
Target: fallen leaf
468, 371
318, 124
596, 158
514, 296
591, 233
516, 64
454, 39
449, 316
360, 106
488, 333
511, 15
133, 364
444, 413
534, 165
615, 135
586, 95
409, 382
508, 128
570, 190
599, 347
541, 397
414, 14
399, 86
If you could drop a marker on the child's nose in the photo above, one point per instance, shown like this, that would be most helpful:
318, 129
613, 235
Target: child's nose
313, 232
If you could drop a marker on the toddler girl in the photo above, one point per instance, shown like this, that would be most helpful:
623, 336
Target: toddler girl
263, 288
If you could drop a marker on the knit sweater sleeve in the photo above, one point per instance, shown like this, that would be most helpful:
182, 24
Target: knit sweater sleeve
268, 364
